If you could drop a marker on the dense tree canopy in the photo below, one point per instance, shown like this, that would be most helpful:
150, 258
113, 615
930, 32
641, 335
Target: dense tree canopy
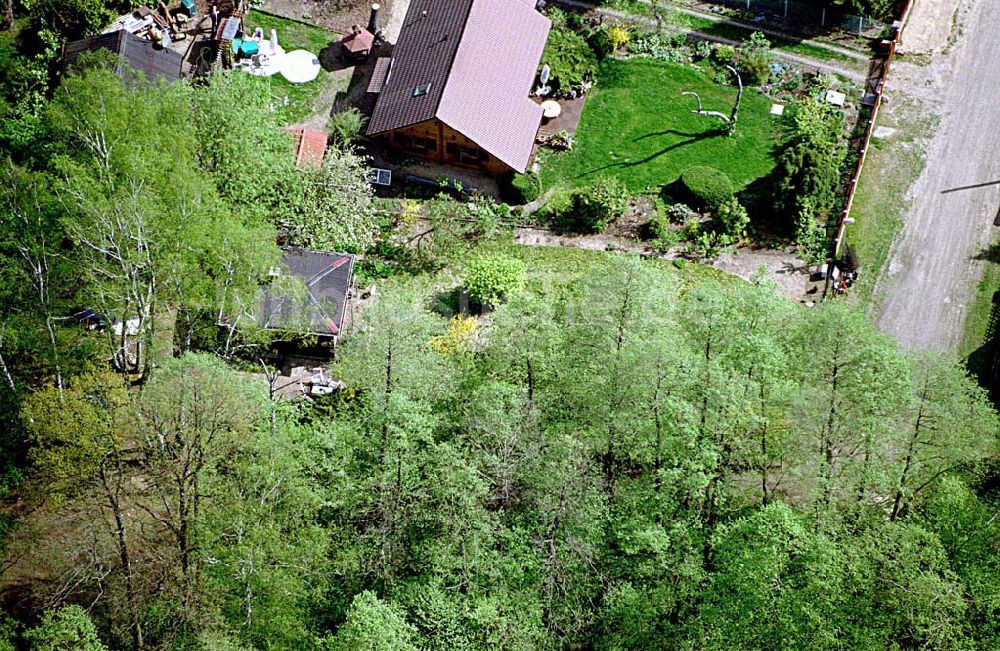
621, 458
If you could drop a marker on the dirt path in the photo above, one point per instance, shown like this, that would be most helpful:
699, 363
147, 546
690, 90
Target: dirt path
932, 269
790, 275
854, 74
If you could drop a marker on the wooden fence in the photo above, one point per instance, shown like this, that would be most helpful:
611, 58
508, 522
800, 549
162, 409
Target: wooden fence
875, 84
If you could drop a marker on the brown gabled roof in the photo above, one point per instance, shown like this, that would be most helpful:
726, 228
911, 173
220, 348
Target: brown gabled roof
479, 58
136, 53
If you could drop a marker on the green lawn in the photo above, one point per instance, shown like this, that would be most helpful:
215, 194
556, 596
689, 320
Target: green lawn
636, 125
294, 35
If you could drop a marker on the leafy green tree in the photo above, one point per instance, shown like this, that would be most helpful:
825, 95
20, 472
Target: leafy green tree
494, 276
80, 438
808, 169
373, 625
66, 629
901, 590
255, 172
150, 230
191, 417
336, 208
950, 425
853, 386
71, 19
774, 579
266, 549
968, 528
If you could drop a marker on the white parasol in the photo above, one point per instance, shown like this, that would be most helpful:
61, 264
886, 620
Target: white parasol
299, 66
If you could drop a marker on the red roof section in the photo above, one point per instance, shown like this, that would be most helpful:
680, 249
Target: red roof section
360, 41
310, 147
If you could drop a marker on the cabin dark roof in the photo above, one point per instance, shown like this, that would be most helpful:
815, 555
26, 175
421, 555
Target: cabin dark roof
316, 298
470, 64
137, 53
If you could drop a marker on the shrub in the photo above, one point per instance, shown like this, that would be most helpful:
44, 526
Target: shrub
733, 218
528, 186
460, 336
619, 36
706, 187
709, 245
345, 127
493, 276
570, 58
702, 50
725, 54
672, 49
558, 204
599, 204
662, 223
754, 60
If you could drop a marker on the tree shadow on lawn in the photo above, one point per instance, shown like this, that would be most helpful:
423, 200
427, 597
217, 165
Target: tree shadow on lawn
691, 139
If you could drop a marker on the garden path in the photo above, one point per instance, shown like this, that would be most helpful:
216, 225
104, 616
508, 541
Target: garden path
769, 31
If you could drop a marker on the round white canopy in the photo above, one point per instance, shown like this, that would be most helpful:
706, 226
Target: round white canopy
299, 66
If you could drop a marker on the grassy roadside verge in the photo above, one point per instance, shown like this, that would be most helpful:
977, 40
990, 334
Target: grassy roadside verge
979, 313
894, 163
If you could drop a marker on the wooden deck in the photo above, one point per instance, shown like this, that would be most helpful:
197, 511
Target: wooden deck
567, 121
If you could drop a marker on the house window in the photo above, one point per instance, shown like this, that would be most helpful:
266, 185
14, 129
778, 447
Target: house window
466, 155
421, 89
415, 143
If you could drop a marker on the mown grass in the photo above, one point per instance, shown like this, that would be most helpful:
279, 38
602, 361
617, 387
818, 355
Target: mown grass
637, 126
295, 35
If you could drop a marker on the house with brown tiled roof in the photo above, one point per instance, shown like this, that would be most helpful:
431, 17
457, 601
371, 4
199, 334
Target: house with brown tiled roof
457, 87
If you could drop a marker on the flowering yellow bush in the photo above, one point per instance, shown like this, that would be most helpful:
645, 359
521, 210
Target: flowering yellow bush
410, 211
619, 35
461, 332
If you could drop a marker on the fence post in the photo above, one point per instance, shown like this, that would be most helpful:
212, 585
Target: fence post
822, 21
748, 5
861, 25
786, 8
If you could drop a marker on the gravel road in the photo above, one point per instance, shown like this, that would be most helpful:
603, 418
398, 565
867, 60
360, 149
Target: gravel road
932, 269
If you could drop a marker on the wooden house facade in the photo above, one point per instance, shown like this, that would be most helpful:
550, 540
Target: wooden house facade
457, 87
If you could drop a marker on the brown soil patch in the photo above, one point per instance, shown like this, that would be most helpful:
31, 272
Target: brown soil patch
336, 15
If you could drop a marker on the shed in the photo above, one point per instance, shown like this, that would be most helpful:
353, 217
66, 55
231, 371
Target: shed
133, 52
310, 147
358, 43
308, 292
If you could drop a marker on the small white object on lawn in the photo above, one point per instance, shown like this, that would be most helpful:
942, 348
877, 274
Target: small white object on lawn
835, 98
777, 109
299, 66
